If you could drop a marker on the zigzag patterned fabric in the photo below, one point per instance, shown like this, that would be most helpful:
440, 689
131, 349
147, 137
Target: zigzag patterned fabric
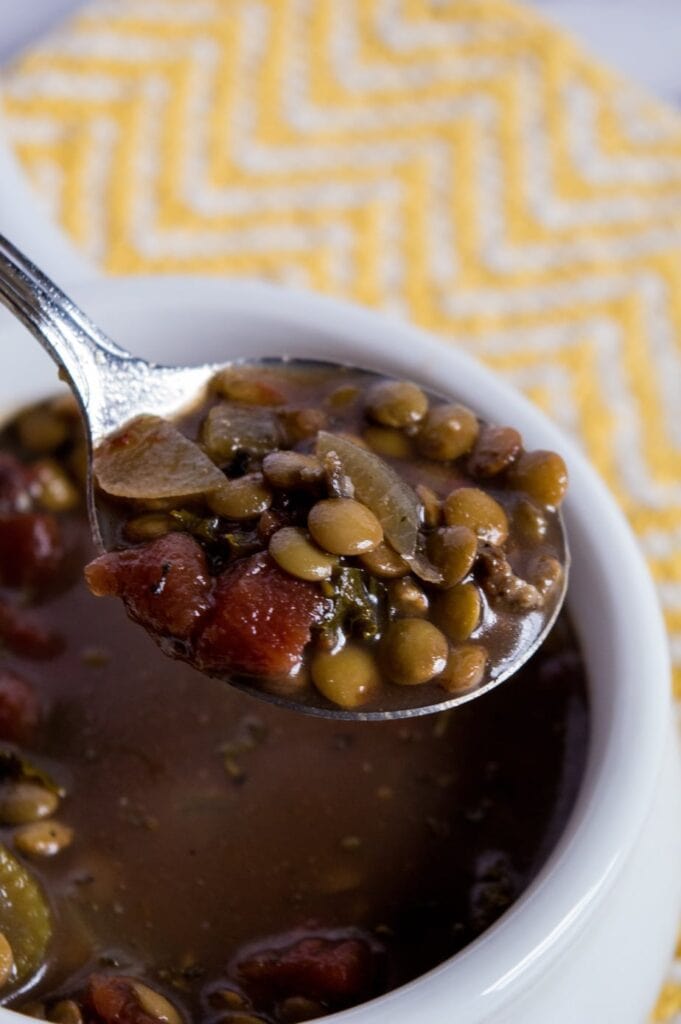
459, 162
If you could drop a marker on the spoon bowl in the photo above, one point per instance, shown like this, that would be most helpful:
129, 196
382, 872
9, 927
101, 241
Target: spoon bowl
113, 388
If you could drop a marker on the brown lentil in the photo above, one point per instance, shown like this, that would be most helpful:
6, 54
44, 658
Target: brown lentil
384, 562
287, 470
529, 521
348, 677
6, 960
292, 549
238, 388
156, 1005
66, 1011
299, 424
406, 599
448, 432
432, 506
477, 510
55, 492
396, 403
43, 838
41, 431
453, 550
22, 802
149, 526
414, 651
297, 1009
495, 450
457, 611
243, 498
542, 476
465, 668
344, 526
389, 443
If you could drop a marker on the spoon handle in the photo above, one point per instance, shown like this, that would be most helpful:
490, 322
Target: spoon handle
80, 349
110, 384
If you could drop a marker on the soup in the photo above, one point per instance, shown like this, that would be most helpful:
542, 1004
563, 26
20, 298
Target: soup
171, 849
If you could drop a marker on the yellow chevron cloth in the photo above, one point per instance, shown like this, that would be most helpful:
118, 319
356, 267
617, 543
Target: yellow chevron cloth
460, 162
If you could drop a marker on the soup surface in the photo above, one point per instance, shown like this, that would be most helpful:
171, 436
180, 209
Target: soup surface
240, 861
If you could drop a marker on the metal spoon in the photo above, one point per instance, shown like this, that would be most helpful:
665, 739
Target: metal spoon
112, 387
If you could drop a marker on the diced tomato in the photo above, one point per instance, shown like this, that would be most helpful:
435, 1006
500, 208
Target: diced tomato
31, 549
336, 971
19, 708
114, 1001
165, 584
24, 633
260, 622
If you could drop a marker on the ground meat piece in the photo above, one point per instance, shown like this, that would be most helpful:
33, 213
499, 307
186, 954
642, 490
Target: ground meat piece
15, 485
31, 549
114, 1001
335, 971
165, 584
261, 621
19, 709
500, 583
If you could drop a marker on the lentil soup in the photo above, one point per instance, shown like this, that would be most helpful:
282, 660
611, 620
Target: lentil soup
172, 851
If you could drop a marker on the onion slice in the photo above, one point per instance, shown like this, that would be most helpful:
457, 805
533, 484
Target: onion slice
150, 458
393, 502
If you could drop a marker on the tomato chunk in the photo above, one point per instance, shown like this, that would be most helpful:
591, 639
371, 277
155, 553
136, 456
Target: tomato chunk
335, 971
24, 633
165, 584
31, 549
19, 708
261, 620
115, 1001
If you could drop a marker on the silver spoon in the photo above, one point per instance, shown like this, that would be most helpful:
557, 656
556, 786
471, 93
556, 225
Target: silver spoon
112, 387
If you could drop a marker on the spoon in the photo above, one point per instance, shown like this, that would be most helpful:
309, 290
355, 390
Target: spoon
112, 387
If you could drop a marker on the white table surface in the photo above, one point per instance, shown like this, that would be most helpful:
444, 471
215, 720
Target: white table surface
642, 38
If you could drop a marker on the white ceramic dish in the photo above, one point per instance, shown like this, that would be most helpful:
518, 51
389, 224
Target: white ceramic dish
589, 941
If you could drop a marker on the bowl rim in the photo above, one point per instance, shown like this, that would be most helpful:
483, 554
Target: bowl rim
616, 790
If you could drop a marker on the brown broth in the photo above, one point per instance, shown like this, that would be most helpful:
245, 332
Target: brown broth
206, 822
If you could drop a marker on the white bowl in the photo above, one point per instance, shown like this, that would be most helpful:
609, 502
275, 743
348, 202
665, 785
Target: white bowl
588, 942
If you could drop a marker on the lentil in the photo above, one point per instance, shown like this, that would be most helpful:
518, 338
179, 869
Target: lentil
542, 476
43, 838
348, 677
6, 961
453, 549
293, 550
495, 450
465, 669
287, 470
243, 498
344, 526
384, 562
396, 403
407, 599
389, 443
458, 611
448, 432
479, 512
23, 802
156, 1005
414, 651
